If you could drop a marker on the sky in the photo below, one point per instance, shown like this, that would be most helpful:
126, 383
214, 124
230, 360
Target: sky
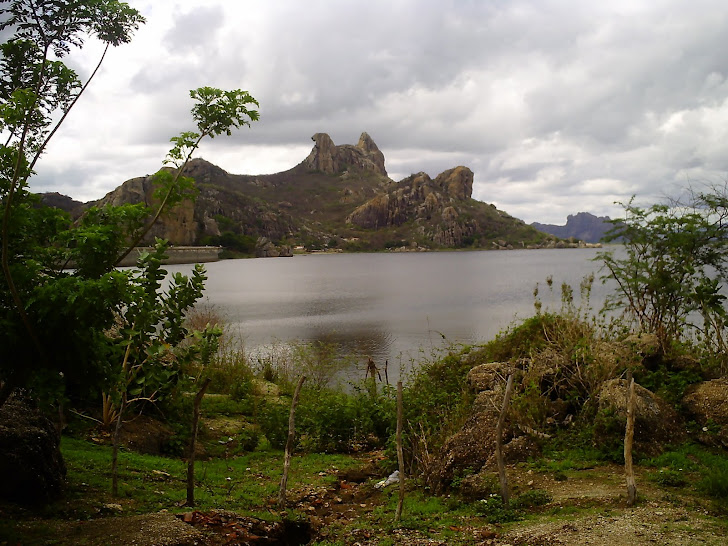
556, 106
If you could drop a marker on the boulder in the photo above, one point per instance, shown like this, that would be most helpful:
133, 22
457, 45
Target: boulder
707, 403
656, 423
457, 183
485, 377
146, 435
470, 447
32, 470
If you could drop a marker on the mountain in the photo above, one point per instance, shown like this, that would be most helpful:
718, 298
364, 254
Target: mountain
583, 226
340, 196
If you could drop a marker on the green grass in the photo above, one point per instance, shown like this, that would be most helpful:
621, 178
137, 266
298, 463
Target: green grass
690, 463
150, 483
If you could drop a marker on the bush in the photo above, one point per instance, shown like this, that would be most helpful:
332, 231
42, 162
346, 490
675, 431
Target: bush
493, 510
332, 421
668, 477
274, 424
529, 499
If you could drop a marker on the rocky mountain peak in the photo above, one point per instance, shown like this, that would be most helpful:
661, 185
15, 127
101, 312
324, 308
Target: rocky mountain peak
329, 158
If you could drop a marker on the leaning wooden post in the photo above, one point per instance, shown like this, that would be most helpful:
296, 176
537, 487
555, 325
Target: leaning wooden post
499, 441
289, 443
628, 440
193, 443
400, 454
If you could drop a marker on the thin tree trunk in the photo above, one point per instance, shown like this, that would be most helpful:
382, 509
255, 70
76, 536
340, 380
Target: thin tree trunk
193, 443
499, 441
400, 454
628, 440
115, 448
289, 443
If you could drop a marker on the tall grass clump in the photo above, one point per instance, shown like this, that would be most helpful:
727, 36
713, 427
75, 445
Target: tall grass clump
229, 368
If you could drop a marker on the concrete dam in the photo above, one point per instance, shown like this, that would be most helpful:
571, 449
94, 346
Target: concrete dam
178, 255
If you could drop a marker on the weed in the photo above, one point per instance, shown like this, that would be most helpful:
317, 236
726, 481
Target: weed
494, 511
529, 499
668, 477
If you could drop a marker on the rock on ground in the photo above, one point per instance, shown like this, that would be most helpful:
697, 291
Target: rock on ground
707, 402
32, 470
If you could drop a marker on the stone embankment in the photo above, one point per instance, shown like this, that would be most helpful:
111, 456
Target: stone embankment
178, 255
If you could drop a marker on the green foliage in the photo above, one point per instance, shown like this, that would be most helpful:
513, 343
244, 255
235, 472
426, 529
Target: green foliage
667, 477
532, 498
494, 511
679, 467
332, 421
68, 330
674, 266
667, 382
273, 420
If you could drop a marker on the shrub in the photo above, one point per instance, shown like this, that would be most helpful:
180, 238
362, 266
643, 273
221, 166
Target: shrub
493, 510
668, 477
274, 424
535, 497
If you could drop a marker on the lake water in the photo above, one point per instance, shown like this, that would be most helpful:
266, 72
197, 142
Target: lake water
389, 306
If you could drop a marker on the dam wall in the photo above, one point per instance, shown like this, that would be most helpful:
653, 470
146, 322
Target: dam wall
178, 255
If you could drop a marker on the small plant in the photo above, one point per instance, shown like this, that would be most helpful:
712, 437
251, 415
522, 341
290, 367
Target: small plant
494, 511
715, 482
668, 477
529, 499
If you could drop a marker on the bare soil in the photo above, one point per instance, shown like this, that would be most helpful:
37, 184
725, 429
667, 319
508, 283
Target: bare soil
587, 508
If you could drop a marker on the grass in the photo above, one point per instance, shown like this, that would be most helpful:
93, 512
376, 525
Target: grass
149, 483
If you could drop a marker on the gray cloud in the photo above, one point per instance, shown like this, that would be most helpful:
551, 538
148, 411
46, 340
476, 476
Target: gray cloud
557, 105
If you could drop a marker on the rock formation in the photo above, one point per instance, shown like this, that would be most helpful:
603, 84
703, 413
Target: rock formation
332, 159
432, 204
583, 226
178, 227
656, 422
339, 193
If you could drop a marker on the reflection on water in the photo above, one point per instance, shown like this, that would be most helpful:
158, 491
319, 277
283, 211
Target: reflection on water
389, 306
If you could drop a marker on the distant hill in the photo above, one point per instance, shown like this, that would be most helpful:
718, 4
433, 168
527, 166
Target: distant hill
583, 226
337, 197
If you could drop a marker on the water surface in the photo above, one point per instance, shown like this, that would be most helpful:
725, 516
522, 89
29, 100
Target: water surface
389, 306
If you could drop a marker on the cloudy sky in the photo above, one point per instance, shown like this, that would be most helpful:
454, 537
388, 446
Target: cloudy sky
557, 106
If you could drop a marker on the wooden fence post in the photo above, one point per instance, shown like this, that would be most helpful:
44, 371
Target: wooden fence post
289, 443
193, 443
628, 440
499, 441
400, 453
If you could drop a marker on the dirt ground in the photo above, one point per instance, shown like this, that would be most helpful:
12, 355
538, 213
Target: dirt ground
587, 508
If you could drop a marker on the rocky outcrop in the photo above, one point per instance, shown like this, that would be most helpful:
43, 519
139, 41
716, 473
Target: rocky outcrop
707, 403
656, 422
332, 159
339, 192
178, 226
264, 248
434, 202
583, 226
32, 470
456, 183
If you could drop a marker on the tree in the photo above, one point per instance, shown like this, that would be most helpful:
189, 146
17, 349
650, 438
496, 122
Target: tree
37, 91
674, 264
57, 325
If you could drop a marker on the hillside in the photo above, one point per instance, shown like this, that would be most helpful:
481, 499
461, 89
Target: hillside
583, 226
340, 196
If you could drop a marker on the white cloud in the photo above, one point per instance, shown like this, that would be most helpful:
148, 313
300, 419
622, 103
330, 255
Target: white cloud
558, 106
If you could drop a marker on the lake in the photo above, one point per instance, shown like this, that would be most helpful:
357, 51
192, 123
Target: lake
391, 305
